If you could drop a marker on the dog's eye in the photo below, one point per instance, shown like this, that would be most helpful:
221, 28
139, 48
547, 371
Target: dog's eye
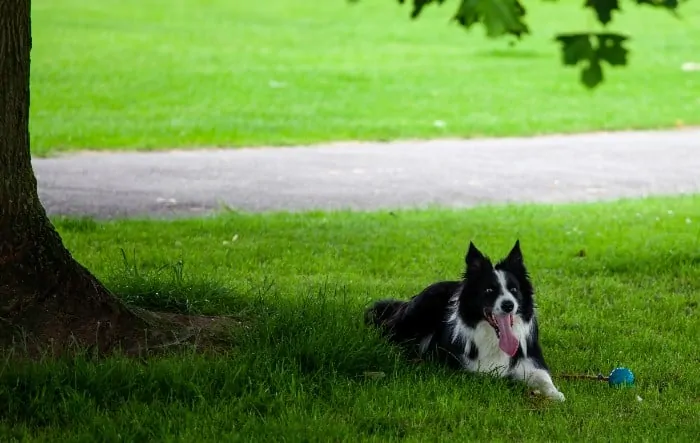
513, 290
489, 291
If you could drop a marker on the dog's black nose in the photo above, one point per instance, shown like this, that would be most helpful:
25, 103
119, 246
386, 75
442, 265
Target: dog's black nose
507, 306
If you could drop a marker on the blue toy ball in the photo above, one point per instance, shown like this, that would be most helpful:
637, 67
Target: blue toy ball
621, 377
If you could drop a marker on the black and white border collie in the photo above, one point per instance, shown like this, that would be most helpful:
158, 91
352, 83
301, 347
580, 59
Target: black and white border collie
484, 323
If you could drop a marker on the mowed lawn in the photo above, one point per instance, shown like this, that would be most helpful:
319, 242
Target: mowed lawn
152, 74
617, 284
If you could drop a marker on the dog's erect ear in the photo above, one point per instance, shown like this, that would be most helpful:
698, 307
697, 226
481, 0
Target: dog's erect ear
475, 260
515, 257
515, 254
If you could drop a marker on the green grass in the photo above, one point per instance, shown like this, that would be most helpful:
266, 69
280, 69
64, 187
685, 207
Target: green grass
301, 282
152, 74
156, 74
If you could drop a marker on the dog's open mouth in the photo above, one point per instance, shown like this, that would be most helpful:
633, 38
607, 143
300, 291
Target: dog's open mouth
503, 326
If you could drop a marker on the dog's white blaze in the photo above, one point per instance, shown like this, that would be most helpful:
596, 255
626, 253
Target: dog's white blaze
506, 294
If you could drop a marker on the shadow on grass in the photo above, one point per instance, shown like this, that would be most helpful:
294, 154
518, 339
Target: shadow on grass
511, 53
167, 289
297, 348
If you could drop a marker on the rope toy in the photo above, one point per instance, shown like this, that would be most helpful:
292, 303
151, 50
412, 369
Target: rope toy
618, 377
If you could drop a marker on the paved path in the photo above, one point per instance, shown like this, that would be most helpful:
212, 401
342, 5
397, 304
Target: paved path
372, 176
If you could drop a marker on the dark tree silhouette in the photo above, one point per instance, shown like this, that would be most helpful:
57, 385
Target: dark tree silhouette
47, 299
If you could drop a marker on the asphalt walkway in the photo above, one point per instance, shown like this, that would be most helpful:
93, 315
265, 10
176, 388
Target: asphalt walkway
368, 176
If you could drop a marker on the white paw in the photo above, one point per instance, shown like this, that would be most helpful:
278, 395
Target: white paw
556, 395
552, 394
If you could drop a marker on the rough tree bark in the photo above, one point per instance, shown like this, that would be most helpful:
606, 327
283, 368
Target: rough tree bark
45, 295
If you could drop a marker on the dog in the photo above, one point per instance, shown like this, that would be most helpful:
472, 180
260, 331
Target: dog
484, 323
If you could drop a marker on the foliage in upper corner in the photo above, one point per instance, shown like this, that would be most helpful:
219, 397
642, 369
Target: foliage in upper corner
500, 17
507, 17
580, 48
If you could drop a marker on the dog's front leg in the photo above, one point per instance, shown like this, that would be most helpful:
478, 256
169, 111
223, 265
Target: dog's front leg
536, 378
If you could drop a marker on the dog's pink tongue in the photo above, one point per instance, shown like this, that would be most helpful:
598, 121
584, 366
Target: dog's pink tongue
508, 342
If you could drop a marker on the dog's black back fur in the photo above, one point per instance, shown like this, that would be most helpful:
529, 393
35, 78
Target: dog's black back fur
407, 322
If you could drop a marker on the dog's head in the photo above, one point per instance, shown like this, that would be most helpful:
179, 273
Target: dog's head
497, 294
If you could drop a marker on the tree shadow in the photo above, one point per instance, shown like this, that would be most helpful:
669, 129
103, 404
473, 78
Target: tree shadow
511, 53
316, 339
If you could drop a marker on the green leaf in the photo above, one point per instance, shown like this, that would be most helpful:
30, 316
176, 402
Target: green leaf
418, 6
603, 9
668, 4
575, 48
592, 75
502, 17
610, 48
468, 13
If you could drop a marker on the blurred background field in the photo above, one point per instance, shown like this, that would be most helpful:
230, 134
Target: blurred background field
153, 74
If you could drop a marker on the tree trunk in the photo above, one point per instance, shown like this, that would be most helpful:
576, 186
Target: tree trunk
45, 295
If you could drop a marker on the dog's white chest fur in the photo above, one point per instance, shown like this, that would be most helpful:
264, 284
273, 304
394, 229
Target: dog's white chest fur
490, 357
